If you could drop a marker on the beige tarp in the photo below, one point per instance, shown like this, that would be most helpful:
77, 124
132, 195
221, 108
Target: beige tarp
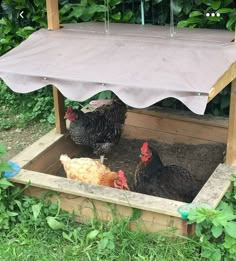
141, 64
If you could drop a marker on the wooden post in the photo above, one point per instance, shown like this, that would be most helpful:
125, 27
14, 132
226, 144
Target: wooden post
231, 142
59, 105
53, 24
52, 14
235, 33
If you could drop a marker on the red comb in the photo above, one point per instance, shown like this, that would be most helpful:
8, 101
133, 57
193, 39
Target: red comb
122, 176
144, 148
70, 109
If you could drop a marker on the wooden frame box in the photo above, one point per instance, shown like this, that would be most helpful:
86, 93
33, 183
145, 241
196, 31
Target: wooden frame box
40, 162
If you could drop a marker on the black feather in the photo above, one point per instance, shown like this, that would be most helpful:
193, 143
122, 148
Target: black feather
100, 129
171, 181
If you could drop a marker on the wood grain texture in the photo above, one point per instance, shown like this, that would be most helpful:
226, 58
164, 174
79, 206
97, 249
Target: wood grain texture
216, 186
174, 128
38, 148
85, 209
59, 105
231, 141
105, 194
223, 81
52, 14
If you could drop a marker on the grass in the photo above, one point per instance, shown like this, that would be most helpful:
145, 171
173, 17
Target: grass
26, 243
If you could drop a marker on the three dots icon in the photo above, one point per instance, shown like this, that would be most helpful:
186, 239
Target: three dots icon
213, 14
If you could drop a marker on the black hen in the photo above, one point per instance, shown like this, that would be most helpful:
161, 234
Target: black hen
99, 129
153, 178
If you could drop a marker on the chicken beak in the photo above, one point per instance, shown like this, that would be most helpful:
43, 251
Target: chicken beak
126, 187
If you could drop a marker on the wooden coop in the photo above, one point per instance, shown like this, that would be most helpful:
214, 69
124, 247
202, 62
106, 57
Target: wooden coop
40, 161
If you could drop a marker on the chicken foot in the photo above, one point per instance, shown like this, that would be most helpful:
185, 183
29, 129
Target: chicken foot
102, 158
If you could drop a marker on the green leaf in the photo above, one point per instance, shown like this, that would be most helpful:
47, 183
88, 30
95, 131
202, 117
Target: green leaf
4, 41
111, 245
67, 237
115, 2
225, 10
230, 228
217, 231
182, 24
230, 243
54, 223
230, 23
4, 166
195, 13
195, 20
103, 243
12, 214
105, 95
66, 8
127, 16
4, 183
96, 9
92, 234
116, 16
36, 210
216, 256
77, 12
215, 5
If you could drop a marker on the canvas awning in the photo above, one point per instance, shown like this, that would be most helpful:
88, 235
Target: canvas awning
140, 64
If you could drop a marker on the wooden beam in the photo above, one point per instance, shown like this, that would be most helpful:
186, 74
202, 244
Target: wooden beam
231, 141
59, 105
235, 33
52, 14
224, 80
216, 186
53, 24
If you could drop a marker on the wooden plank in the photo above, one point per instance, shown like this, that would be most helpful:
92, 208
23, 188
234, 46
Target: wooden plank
40, 147
231, 142
53, 24
52, 14
216, 186
187, 116
132, 132
59, 105
224, 80
105, 194
85, 209
43, 155
181, 128
48, 162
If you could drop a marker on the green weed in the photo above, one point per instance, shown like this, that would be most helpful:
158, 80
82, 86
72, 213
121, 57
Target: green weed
216, 228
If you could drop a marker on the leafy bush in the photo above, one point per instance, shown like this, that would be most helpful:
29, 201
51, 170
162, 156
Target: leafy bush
197, 16
216, 228
21, 109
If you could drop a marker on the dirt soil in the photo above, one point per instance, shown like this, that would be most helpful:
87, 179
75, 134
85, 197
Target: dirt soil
16, 139
200, 160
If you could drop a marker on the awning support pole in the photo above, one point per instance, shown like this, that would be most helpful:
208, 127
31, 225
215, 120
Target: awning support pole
59, 99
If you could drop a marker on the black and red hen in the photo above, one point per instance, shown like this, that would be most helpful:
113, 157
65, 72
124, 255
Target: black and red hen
99, 129
171, 181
